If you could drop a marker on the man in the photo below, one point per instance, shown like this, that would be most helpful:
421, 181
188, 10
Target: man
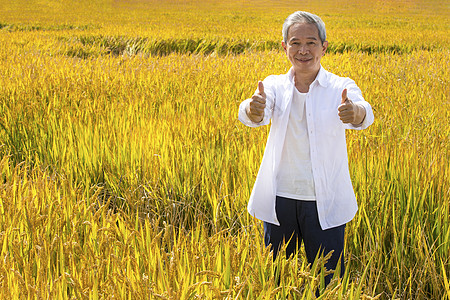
303, 190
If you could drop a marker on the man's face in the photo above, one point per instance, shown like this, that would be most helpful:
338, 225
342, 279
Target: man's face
304, 48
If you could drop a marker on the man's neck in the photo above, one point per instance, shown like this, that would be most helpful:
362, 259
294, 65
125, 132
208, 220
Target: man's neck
303, 81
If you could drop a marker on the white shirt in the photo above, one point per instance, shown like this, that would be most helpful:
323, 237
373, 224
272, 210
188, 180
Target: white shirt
294, 177
336, 201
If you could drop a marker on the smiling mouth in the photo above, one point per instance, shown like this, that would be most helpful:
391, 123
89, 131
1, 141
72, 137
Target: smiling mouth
303, 59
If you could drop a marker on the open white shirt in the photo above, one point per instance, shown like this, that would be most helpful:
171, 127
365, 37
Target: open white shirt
336, 201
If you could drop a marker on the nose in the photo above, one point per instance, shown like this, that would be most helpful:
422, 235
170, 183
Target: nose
303, 49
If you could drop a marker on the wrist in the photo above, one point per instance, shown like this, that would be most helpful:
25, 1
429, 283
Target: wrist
360, 114
253, 118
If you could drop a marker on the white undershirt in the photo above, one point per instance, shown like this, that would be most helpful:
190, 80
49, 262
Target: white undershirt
294, 179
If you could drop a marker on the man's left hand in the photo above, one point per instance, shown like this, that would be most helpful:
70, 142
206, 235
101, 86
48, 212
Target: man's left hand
350, 112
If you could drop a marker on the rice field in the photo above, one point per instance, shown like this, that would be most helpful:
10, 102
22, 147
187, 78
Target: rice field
125, 173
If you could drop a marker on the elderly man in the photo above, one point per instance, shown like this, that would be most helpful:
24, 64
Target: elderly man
303, 190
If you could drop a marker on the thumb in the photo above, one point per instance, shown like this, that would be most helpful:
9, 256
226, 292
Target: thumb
344, 96
260, 88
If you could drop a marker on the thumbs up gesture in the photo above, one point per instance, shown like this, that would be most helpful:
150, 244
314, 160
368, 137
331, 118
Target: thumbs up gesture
350, 112
255, 109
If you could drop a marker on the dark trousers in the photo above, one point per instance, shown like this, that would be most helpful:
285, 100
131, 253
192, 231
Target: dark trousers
299, 222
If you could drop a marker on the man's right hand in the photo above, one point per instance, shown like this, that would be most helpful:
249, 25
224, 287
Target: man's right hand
255, 109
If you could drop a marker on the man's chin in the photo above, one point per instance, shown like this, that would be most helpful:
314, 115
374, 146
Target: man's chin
307, 67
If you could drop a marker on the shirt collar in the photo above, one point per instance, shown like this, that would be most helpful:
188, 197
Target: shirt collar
321, 77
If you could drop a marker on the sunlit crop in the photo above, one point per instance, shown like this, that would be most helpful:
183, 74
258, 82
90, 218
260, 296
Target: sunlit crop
125, 172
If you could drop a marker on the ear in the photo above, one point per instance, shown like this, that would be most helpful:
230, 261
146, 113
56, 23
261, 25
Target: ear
324, 47
284, 46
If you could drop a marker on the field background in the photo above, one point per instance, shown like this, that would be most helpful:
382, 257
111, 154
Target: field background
125, 172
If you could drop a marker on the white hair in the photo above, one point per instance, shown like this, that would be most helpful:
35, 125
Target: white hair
304, 17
